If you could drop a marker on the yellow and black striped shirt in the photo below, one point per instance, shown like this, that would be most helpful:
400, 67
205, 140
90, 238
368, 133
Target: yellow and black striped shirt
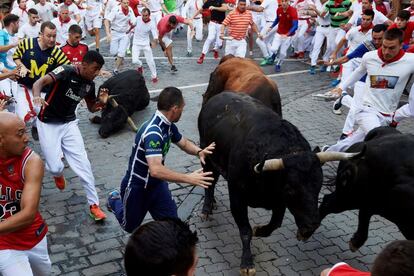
39, 62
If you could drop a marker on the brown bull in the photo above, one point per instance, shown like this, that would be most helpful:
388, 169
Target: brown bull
243, 75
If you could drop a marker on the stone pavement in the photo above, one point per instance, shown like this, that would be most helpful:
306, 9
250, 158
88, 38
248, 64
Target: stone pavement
78, 246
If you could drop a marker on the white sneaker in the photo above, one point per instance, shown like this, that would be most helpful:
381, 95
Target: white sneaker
329, 96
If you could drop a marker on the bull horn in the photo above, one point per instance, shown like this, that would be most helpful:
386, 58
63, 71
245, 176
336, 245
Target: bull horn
131, 123
269, 165
335, 156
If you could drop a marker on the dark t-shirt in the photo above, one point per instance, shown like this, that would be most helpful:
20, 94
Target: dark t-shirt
64, 95
217, 16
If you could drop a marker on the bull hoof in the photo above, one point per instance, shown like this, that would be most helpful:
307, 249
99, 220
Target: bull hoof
353, 247
248, 271
204, 216
261, 231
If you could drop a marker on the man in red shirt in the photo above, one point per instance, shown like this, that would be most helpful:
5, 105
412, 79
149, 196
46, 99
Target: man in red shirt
287, 21
73, 49
238, 22
165, 26
23, 242
402, 22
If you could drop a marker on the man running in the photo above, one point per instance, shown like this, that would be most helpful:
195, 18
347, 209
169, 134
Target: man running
59, 134
144, 188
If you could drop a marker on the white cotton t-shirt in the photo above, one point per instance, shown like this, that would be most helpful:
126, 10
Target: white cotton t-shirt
355, 37
96, 8
385, 83
45, 11
121, 22
142, 32
62, 33
154, 5
28, 31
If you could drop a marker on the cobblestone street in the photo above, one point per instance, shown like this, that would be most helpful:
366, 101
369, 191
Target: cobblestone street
79, 246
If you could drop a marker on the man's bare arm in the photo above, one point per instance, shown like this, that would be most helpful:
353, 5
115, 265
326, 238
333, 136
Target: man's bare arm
29, 204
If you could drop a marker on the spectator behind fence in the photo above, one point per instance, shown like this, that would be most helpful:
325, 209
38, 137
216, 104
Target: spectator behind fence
395, 260
162, 248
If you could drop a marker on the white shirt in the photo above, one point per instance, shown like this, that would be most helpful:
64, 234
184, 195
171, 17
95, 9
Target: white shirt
45, 11
94, 8
192, 6
355, 37
29, 31
385, 83
29, 4
62, 30
121, 22
73, 10
22, 14
142, 32
302, 8
109, 6
322, 21
379, 18
154, 5
270, 8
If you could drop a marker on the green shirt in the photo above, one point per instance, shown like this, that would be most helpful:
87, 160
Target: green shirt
170, 5
343, 7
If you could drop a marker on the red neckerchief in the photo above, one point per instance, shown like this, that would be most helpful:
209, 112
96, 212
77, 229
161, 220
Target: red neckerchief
125, 11
23, 10
364, 30
146, 21
337, 3
385, 62
63, 21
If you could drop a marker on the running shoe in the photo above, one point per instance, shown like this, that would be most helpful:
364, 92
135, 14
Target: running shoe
60, 182
96, 213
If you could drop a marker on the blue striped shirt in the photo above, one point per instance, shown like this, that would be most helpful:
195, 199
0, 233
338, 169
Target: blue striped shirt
153, 139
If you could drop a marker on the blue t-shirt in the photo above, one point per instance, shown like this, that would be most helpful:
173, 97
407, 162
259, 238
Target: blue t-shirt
5, 40
153, 139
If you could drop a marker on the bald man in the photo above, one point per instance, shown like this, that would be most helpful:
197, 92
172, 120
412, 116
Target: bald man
23, 243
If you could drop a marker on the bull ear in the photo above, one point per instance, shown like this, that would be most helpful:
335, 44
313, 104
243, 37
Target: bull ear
346, 176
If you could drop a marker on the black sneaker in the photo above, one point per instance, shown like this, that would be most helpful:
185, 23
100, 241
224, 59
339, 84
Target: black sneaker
336, 108
173, 68
35, 134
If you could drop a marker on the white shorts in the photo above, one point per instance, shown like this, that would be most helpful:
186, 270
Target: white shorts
167, 40
26, 262
93, 23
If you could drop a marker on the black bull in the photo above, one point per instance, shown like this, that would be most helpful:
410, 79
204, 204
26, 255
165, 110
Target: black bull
381, 182
128, 89
246, 132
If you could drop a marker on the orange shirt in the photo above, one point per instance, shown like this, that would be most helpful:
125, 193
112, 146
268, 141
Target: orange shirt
238, 23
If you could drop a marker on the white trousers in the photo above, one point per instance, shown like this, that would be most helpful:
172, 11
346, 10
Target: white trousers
320, 35
299, 37
366, 118
119, 44
281, 44
9, 87
66, 139
335, 35
33, 262
198, 26
354, 104
213, 36
265, 44
136, 52
236, 48
156, 16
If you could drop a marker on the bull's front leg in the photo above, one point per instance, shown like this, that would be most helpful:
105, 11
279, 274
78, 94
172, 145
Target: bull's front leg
361, 235
275, 222
238, 208
209, 200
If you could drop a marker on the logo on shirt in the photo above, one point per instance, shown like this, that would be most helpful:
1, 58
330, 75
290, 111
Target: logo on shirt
10, 169
383, 82
32, 53
72, 95
154, 144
